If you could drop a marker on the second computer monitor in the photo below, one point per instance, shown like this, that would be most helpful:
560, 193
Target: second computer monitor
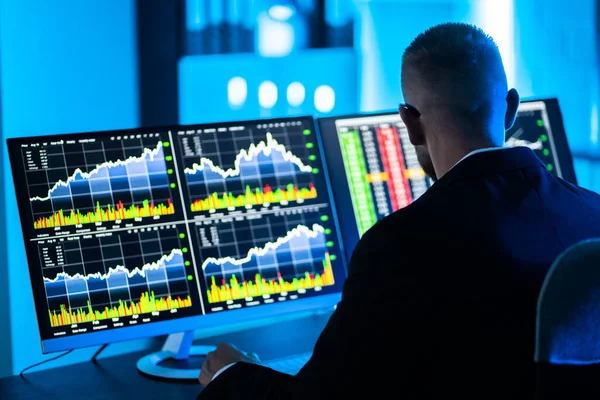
376, 171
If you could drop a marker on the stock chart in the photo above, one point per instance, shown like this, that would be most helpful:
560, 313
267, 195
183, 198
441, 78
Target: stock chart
248, 167
139, 273
259, 195
91, 182
284, 256
381, 165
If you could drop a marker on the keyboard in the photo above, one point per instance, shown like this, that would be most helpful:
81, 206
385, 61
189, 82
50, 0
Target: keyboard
289, 365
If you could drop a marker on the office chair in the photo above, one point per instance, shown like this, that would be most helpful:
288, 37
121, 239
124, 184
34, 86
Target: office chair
567, 348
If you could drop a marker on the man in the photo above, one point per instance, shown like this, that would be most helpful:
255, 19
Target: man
441, 295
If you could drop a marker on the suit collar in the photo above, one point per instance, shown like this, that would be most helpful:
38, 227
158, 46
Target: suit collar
480, 164
479, 151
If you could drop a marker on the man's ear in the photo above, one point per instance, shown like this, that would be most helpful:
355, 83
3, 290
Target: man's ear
413, 126
512, 106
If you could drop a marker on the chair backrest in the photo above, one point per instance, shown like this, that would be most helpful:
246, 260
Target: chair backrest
567, 348
568, 312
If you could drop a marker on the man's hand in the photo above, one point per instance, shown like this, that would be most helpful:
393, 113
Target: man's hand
225, 354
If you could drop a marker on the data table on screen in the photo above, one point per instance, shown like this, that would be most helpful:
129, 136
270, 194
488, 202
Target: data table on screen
382, 169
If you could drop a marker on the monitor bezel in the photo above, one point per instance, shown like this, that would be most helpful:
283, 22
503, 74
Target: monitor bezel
328, 132
212, 322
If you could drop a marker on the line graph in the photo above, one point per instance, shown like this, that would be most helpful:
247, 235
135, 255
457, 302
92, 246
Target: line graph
268, 258
232, 170
148, 157
248, 162
515, 141
77, 184
115, 276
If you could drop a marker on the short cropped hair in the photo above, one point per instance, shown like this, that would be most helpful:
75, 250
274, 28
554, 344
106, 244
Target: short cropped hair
457, 65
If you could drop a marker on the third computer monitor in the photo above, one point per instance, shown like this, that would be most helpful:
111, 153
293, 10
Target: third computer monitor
375, 170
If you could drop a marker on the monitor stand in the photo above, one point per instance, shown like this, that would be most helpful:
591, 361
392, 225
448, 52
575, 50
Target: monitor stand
178, 346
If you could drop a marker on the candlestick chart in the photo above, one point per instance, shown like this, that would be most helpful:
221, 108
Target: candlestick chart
73, 187
109, 277
244, 173
299, 258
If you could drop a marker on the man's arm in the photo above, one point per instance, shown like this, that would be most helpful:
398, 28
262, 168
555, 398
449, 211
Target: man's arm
347, 339
350, 329
246, 381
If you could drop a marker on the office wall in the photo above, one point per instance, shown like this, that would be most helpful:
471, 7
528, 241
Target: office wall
383, 30
588, 173
197, 94
557, 56
67, 66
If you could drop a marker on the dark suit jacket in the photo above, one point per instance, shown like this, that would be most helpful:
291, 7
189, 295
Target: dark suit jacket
440, 300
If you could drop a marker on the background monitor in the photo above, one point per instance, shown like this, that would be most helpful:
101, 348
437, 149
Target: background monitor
147, 232
378, 168
539, 126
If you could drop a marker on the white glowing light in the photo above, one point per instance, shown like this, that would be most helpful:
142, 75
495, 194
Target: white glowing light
324, 98
496, 18
267, 94
237, 91
281, 12
295, 94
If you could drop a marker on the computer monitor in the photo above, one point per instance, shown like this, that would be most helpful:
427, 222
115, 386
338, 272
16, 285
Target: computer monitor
539, 126
377, 171
146, 232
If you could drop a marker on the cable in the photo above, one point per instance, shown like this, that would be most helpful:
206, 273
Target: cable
96, 354
45, 361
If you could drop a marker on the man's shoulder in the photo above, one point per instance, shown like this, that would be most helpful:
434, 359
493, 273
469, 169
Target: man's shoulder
422, 219
401, 222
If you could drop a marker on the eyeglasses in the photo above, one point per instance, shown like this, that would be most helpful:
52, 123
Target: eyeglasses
410, 109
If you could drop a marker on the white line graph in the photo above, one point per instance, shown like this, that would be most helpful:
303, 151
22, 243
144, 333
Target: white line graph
300, 232
89, 275
175, 257
267, 148
148, 155
516, 141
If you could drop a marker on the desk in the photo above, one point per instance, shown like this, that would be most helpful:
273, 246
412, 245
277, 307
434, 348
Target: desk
117, 377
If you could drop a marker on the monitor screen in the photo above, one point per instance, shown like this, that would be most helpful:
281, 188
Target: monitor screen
381, 173
140, 227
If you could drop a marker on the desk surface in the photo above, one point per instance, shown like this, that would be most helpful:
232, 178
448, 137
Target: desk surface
118, 378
